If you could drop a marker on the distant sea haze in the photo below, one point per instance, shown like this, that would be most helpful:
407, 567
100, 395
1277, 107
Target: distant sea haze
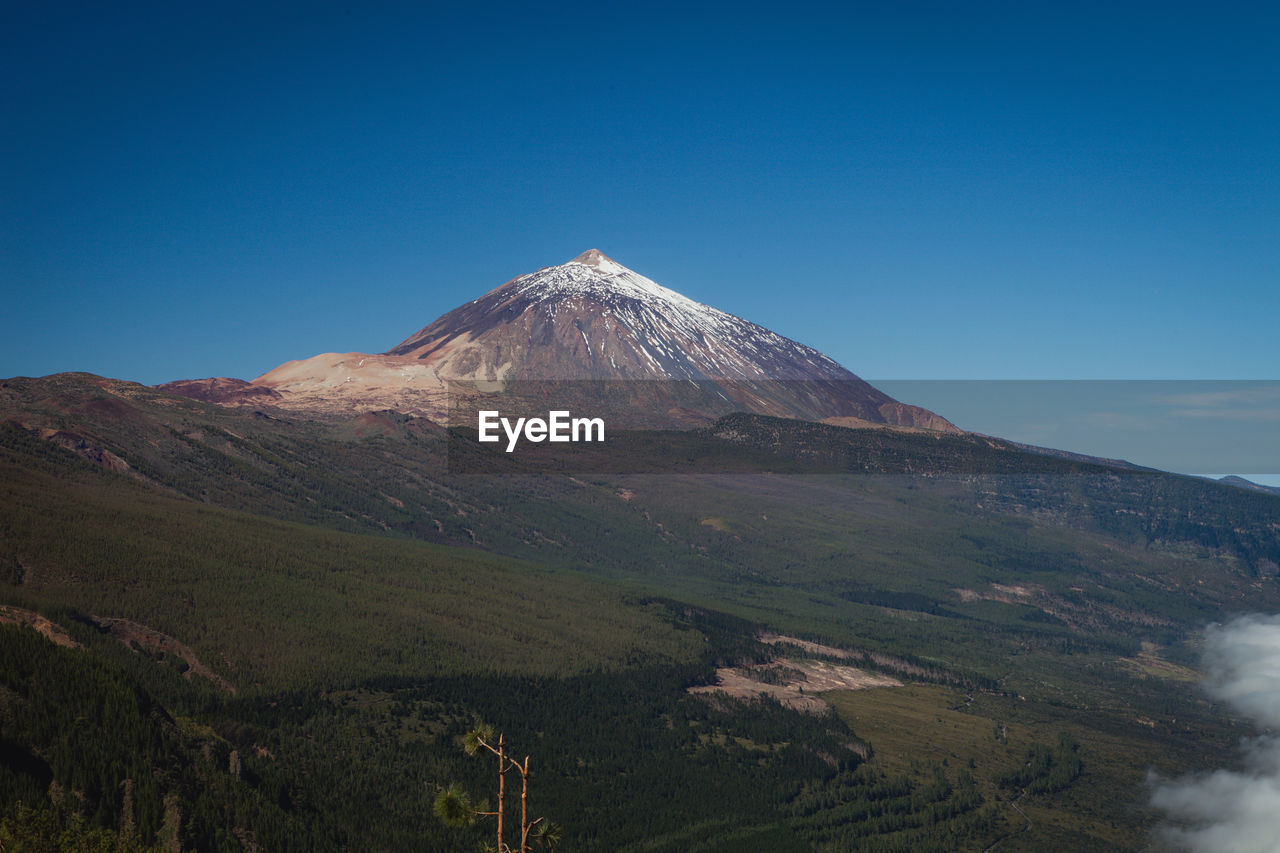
1189, 426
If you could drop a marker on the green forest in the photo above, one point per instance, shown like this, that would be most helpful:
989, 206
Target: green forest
232, 630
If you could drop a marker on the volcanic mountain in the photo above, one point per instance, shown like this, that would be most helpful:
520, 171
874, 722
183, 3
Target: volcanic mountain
593, 319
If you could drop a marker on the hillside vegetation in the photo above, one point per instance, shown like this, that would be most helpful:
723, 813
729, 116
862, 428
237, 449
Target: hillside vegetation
282, 626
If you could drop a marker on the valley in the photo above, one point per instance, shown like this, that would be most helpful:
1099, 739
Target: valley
365, 605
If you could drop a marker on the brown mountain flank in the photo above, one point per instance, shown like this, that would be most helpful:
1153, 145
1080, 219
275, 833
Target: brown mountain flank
589, 320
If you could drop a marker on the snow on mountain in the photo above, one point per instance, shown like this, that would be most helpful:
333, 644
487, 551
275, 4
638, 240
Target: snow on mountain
594, 319
623, 326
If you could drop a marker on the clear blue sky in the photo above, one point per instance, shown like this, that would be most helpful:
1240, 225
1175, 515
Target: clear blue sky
921, 190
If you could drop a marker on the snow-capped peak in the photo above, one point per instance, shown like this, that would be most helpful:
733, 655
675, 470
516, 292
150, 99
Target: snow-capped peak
595, 273
601, 261
591, 318
679, 335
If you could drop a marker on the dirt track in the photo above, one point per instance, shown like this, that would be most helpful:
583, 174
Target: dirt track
31, 619
802, 681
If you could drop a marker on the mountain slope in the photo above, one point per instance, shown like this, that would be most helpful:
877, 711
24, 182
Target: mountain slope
593, 319
1062, 597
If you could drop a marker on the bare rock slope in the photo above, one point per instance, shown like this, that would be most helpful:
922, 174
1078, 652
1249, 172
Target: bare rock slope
592, 320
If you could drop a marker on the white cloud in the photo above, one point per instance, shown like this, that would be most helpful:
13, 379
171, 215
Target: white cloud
1233, 811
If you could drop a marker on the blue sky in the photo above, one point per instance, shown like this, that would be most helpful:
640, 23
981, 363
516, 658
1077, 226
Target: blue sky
920, 190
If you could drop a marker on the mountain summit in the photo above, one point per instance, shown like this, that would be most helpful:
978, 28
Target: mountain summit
597, 258
594, 319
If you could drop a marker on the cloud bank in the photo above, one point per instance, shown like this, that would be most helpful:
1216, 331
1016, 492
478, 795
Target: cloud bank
1233, 811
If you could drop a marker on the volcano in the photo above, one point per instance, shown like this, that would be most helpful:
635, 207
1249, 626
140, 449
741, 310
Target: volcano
594, 320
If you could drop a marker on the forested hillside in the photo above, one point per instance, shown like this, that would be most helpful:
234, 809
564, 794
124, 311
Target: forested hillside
275, 630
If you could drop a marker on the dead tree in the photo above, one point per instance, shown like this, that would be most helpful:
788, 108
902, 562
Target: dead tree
454, 806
